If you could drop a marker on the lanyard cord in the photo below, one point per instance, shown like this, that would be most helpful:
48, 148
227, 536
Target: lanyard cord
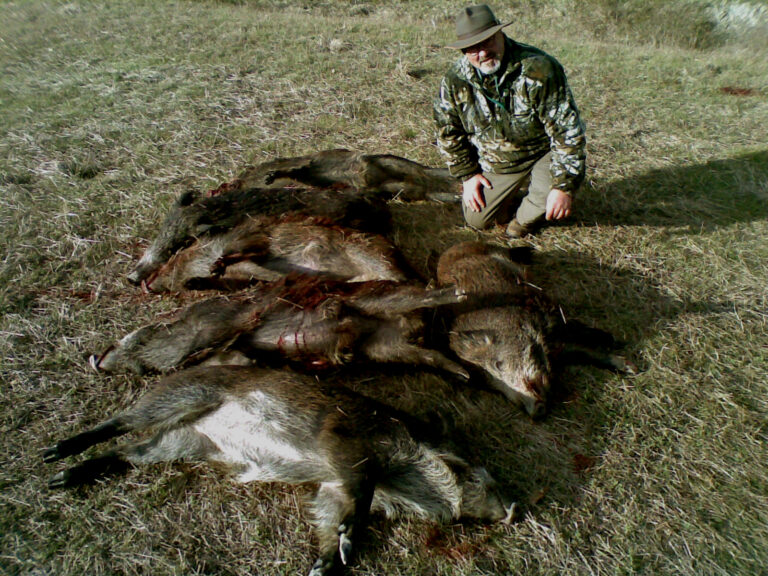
498, 91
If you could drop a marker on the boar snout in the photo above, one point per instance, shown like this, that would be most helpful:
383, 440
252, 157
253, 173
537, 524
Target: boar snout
483, 500
145, 268
518, 392
538, 410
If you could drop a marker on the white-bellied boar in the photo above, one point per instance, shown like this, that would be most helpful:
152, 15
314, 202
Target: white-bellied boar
277, 426
197, 215
271, 247
387, 175
312, 321
511, 330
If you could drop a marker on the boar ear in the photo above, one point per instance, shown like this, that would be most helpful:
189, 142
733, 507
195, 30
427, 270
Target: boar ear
478, 337
520, 254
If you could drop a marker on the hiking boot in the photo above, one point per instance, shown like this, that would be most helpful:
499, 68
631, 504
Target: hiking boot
517, 230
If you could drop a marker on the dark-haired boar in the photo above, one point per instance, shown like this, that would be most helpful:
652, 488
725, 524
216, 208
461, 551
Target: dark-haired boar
385, 174
197, 215
311, 321
512, 331
269, 247
348, 188
277, 426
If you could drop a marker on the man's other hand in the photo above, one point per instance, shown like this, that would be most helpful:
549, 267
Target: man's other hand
558, 204
473, 196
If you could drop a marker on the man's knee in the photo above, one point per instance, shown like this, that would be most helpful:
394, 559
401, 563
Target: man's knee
530, 213
479, 220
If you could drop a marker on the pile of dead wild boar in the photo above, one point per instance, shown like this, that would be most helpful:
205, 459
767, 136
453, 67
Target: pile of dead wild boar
297, 254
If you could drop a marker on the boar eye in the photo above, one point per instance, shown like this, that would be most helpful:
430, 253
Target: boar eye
498, 364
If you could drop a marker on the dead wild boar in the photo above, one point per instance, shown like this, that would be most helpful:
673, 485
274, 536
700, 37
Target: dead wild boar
278, 426
315, 322
197, 215
270, 247
512, 331
388, 175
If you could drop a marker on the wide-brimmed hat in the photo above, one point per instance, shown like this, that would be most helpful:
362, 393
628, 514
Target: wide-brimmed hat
475, 24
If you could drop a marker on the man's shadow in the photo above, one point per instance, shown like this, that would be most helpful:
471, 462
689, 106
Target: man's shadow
549, 459
701, 196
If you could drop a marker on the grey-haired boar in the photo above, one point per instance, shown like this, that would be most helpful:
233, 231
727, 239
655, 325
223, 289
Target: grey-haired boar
511, 330
349, 188
277, 426
314, 322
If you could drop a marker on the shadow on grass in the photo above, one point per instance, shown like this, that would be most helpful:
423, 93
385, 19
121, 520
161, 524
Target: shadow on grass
550, 460
702, 196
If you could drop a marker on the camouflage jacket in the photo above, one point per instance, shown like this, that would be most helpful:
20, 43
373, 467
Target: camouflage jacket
505, 122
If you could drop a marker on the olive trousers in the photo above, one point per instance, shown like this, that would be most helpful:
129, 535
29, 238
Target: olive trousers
530, 189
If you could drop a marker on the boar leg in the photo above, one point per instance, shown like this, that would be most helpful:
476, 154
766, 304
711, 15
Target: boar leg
163, 447
404, 299
586, 345
341, 513
180, 398
81, 442
574, 354
388, 344
407, 179
167, 408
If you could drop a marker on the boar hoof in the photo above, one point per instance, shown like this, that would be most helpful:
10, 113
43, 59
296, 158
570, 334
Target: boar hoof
52, 454
624, 365
345, 547
94, 361
512, 513
134, 278
321, 567
60, 480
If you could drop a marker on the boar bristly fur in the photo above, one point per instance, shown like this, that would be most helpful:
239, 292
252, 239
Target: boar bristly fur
278, 426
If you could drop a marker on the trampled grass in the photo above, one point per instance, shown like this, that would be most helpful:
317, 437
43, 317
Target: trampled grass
110, 109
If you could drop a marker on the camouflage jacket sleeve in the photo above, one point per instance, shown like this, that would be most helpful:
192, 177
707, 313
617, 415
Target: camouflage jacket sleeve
551, 97
452, 138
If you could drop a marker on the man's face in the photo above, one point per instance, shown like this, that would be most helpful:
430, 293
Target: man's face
486, 56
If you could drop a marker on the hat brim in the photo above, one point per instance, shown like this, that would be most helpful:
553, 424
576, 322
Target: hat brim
476, 38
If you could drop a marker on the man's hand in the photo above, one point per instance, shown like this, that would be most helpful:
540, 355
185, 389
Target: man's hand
558, 204
473, 196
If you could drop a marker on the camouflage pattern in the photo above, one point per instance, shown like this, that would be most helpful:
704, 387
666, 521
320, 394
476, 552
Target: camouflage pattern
505, 122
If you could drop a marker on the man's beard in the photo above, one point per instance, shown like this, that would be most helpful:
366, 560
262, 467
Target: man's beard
490, 66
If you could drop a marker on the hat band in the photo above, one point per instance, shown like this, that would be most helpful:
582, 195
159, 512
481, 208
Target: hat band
476, 32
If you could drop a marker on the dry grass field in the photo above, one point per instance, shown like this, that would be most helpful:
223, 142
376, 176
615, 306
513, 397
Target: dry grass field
109, 110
